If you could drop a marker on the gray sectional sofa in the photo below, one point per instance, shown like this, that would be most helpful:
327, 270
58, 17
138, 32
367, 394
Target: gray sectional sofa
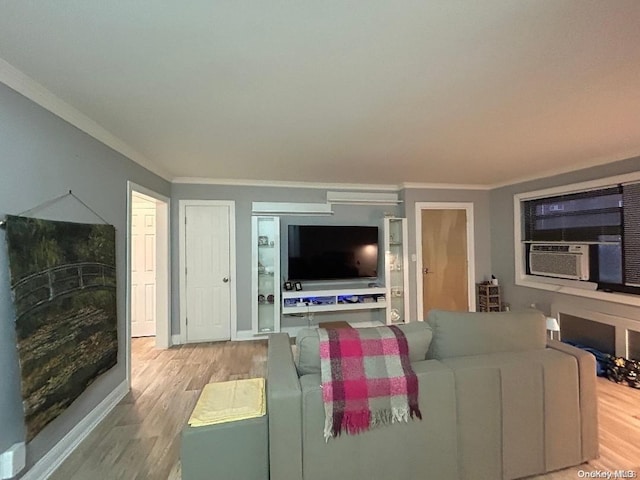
498, 400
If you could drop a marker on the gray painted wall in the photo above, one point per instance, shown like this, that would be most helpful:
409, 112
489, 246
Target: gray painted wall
243, 197
351, 215
42, 157
502, 258
480, 200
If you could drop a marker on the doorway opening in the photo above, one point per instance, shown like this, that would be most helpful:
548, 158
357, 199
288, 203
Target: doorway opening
148, 277
445, 273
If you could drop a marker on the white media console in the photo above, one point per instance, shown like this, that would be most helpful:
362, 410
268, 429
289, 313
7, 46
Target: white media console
311, 301
271, 304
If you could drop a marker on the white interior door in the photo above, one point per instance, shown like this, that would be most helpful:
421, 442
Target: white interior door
207, 273
143, 267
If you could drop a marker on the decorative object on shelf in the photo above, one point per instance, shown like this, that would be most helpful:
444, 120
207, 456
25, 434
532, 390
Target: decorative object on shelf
271, 243
263, 240
396, 291
298, 286
395, 315
261, 268
489, 297
261, 298
270, 298
290, 302
288, 286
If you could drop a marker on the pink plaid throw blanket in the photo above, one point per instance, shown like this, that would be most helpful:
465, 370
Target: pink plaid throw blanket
367, 379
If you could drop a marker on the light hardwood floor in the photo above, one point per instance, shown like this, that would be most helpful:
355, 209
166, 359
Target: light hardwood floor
140, 438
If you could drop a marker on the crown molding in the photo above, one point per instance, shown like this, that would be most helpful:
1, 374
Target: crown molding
326, 186
562, 170
446, 186
37, 93
284, 184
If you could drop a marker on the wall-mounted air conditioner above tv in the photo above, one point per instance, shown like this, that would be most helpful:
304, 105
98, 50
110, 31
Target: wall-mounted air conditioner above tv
332, 252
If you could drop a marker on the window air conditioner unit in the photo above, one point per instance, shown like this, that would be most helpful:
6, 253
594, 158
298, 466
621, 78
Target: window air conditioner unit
560, 260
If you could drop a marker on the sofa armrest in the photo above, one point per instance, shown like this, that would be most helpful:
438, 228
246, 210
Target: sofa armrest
284, 407
588, 396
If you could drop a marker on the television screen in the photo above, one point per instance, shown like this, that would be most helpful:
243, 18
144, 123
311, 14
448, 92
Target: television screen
330, 252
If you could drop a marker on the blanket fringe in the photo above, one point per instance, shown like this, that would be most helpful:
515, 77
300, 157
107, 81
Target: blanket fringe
352, 422
328, 428
361, 421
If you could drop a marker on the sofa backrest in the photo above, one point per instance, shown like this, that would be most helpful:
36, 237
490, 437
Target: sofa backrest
457, 334
418, 336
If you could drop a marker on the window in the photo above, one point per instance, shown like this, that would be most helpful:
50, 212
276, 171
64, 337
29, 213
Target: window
577, 217
596, 233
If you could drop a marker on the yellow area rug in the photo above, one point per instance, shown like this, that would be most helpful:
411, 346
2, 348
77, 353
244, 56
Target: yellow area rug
229, 401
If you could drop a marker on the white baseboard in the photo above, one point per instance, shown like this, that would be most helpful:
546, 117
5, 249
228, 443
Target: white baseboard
245, 335
242, 335
58, 454
176, 339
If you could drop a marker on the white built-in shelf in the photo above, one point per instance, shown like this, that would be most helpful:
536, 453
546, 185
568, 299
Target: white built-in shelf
264, 331
333, 300
308, 308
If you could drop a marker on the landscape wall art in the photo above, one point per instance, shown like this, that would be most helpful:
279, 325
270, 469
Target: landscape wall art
63, 281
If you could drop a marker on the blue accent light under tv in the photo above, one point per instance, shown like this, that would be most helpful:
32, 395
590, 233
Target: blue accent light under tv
332, 252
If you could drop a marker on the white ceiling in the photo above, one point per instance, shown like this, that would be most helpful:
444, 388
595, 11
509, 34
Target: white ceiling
378, 92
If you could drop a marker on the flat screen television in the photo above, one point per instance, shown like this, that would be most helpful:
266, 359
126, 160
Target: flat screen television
332, 252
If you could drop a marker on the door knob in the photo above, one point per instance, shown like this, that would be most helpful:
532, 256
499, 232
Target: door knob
426, 271
225, 279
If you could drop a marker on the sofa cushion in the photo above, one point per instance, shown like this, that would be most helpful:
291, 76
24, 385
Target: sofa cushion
457, 334
418, 339
398, 451
525, 405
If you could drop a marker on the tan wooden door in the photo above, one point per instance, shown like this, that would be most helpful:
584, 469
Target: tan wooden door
444, 260
143, 267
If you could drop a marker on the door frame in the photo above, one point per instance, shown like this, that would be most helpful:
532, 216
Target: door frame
182, 261
471, 263
163, 269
